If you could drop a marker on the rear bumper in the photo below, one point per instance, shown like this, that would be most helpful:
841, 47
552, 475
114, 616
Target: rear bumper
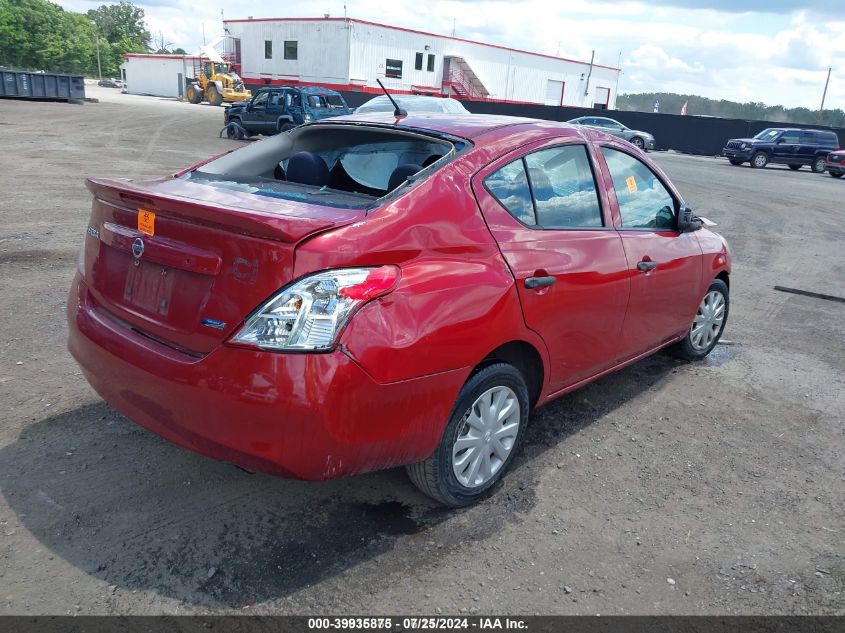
307, 416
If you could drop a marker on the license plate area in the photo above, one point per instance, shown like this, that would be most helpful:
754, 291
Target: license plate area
149, 287
153, 293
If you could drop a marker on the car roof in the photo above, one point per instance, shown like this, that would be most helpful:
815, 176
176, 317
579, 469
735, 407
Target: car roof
304, 89
468, 126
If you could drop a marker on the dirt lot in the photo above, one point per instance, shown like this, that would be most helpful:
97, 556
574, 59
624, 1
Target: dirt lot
667, 488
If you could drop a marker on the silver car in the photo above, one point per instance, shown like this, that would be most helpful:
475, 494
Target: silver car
641, 139
413, 103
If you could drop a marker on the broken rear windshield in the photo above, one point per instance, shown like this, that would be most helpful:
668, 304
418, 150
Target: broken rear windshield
349, 166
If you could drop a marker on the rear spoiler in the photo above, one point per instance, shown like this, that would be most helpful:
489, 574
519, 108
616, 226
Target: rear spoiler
233, 211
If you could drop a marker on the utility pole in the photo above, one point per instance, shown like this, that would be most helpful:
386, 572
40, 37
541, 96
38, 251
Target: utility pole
99, 68
589, 74
618, 72
824, 94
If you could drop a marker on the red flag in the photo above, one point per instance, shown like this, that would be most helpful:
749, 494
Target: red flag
684, 107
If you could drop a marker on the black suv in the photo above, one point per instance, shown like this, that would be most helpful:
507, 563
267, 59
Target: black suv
783, 145
278, 109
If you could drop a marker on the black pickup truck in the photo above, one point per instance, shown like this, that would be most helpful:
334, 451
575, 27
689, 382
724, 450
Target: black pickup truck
279, 108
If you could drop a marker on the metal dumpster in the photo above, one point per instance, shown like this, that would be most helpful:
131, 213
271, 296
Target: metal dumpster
26, 85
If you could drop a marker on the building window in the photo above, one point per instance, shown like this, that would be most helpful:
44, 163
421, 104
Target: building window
430, 63
418, 62
268, 49
393, 68
291, 49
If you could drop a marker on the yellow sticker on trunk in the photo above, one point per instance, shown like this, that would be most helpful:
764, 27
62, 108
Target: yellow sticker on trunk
146, 222
630, 181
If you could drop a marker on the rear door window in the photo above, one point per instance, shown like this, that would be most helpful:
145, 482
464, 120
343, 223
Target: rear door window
790, 137
563, 187
644, 202
509, 185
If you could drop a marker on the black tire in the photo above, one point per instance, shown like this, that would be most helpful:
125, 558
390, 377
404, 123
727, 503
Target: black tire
759, 160
685, 349
435, 475
233, 130
214, 97
835, 174
194, 94
734, 161
795, 167
638, 142
818, 165
283, 126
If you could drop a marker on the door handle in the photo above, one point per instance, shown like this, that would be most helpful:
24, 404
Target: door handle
538, 282
646, 265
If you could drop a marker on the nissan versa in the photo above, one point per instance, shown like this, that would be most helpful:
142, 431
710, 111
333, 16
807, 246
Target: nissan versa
368, 291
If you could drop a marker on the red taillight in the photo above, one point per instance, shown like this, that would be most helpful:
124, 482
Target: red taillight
378, 282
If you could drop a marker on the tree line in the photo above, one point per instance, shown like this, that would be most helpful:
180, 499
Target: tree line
671, 103
40, 35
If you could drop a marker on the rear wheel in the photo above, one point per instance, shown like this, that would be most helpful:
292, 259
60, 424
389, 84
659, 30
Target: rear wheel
818, 165
214, 96
795, 167
835, 174
734, 161
480, 439
708, 324
759, 160
284, 126
194, 94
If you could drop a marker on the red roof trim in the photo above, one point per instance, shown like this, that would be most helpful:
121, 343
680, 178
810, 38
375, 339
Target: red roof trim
157, 56
445, 37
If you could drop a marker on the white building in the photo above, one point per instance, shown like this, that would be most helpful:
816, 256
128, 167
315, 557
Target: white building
348, 54
159, 75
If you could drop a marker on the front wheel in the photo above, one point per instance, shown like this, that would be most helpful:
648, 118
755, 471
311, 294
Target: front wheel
638, 142
835, 174
818, 165
233, 130
480, 439
214, 96
759, 160
708, 324
284, 126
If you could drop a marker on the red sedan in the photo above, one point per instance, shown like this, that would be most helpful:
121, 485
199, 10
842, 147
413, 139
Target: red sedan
369, 291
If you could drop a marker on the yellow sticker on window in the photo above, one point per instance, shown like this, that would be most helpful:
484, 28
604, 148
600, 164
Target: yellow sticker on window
632, 184
146, 222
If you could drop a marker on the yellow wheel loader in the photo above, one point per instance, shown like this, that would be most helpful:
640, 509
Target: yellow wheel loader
215, 82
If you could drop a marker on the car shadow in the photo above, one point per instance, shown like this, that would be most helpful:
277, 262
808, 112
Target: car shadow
139, 513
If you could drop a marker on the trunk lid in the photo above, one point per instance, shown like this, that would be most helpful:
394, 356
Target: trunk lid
213, 256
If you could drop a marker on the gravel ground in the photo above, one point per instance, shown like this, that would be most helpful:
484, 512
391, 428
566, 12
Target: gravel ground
710, 488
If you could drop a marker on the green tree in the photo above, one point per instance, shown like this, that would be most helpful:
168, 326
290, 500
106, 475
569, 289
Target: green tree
122, 26
40, 35
670, 103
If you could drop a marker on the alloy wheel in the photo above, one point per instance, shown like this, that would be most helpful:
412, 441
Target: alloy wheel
708, 320
487, 437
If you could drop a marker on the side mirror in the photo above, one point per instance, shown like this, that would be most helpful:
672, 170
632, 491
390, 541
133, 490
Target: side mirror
687, 220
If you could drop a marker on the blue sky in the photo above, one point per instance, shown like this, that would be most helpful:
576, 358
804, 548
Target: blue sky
775, 51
